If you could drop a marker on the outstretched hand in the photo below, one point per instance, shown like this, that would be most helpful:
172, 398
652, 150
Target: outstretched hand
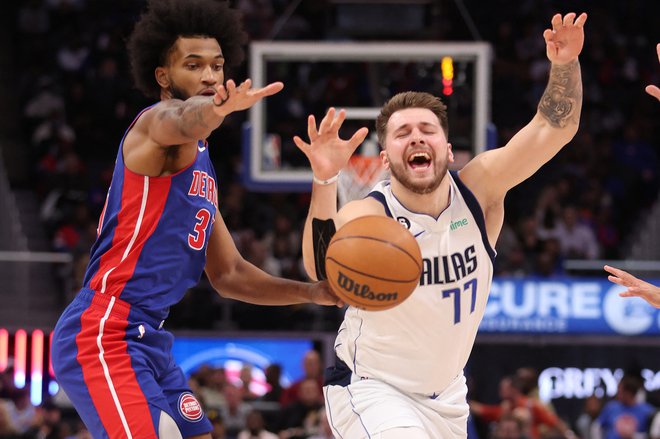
565, 40
636, 287
326, 152
653, 90
322, 294
229, 97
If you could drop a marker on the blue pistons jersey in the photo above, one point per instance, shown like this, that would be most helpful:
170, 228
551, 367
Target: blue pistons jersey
152, 235
110, 352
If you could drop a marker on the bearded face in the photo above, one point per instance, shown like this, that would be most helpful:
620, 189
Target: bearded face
437, 169
417, 152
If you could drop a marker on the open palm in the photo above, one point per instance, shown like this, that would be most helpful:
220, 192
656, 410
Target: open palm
636, 287
565, 40
326, 152
230, 98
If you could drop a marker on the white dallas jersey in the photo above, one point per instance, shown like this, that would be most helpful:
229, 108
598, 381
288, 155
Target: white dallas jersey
421, 345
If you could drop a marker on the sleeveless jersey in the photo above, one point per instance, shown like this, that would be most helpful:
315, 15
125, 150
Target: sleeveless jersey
152, 234
423, 344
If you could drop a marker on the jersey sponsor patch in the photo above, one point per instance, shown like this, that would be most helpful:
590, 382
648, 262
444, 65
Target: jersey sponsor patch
190, 408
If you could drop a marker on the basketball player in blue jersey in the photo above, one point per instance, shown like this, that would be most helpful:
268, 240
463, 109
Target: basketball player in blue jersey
399, 373
160, 228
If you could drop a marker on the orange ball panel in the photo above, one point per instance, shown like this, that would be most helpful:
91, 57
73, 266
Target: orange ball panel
373, 263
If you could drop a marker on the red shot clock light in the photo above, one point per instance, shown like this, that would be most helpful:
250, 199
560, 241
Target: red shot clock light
447, 67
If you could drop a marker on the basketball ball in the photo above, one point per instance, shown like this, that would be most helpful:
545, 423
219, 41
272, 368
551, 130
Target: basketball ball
373, 263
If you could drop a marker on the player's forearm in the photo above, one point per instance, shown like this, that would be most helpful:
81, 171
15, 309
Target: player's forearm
561, 104
323, 206
249, 284
192, 119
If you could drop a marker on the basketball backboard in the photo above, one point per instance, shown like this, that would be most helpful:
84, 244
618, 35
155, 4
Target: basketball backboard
358, 77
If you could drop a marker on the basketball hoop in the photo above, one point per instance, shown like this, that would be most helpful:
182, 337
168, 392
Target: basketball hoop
359, 177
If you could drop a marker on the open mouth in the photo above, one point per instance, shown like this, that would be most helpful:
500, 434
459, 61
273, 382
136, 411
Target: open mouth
207, 92
419, 161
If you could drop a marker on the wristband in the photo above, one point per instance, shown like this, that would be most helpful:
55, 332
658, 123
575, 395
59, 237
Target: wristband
325, 182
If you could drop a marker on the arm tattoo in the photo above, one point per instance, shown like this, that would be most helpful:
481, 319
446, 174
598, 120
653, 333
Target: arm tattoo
561, 102
192, 118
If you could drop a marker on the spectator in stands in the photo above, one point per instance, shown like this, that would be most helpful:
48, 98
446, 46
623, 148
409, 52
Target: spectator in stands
273, 374
325, 430
254, 427
212, 381
219, 430
576, 240
635, 287
50, 425
313, 370
234, 412
245, 376
530, 241
509, 427
7, 427
585, 422
625, 416
548, 212
300, 418
21, 411
549, 260
515, 403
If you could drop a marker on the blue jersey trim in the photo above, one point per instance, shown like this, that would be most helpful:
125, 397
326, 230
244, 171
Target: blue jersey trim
337, 375
380, 197
477, 213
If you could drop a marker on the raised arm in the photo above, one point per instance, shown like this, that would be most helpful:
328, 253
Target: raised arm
491, 174
235, 278
327, 154
176, 122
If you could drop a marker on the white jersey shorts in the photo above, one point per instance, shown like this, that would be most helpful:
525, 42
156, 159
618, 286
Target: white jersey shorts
362, 408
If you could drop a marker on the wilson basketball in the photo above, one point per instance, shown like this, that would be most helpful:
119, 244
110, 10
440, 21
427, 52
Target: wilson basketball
373, 263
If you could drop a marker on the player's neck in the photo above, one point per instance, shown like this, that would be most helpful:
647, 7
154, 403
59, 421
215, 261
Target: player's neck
432, 203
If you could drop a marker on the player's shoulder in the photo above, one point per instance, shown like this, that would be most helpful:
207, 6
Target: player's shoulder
358, 208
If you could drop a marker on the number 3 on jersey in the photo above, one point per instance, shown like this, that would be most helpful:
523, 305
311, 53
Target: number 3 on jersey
196, 241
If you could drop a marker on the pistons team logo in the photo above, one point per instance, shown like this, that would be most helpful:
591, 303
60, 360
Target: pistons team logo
190, 408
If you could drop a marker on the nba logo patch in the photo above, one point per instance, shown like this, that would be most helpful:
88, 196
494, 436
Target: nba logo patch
190, 408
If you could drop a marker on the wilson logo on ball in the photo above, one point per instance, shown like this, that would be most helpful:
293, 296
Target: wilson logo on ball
190, 407
363, 291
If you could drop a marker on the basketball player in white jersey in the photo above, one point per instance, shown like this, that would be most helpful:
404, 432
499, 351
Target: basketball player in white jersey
399, 373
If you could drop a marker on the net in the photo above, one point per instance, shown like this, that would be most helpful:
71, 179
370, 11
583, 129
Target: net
359, 176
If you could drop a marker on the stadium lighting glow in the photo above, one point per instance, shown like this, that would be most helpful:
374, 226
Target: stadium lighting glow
20, 358
4, 349
51, 372
447, 67
37, 367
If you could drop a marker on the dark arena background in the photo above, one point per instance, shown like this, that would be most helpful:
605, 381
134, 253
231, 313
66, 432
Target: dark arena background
553, 321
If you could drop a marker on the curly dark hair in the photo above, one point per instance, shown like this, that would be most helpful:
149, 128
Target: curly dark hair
166, 20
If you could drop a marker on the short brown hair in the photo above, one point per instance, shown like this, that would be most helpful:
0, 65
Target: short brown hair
410, 99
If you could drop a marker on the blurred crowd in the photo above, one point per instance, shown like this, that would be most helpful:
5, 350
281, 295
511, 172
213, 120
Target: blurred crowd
77, 100
520, 413
246, 404
234, 405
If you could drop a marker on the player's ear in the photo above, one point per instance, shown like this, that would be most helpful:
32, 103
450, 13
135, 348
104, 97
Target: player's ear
162, 77
385, 159
450, 153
